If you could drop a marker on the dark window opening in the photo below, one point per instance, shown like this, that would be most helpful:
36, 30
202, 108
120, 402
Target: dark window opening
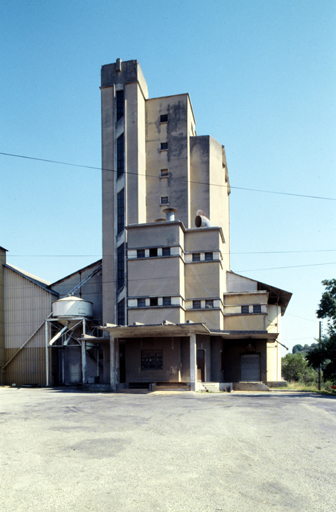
164, 200
120, 104
164, 173
140, 253
196, 304
120, 156
164, 146
152, 253
257, 308
196, 256
208, 256
166, 301
164, 118
244, 309
165, 251
141, 303
151, 360
121, 265
153, 301
209, 303
121, 312
121, 211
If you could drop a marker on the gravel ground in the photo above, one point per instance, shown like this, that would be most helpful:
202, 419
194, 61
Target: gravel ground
64, 450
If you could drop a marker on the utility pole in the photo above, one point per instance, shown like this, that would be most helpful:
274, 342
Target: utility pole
319, 372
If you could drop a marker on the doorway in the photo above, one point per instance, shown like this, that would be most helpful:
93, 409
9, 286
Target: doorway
200, 365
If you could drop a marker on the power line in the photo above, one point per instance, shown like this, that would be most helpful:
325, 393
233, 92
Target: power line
99, 255
291, 266
46, 160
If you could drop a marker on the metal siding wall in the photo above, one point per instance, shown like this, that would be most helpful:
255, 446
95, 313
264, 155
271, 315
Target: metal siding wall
26, 306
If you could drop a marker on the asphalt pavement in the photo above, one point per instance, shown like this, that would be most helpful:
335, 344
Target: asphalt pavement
66, 450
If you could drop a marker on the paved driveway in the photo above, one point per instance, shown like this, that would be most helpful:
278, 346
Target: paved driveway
72, 451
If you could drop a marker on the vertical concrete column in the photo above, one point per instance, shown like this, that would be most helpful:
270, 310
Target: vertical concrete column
117, 361
84, 362
113, 380
193, 370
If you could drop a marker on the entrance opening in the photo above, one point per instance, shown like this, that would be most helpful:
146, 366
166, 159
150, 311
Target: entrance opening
200, 365
250, 368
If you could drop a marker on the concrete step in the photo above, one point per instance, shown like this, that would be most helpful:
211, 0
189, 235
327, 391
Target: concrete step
250, 386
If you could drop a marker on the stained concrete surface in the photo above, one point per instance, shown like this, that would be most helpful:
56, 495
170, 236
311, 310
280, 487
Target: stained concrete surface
169, 452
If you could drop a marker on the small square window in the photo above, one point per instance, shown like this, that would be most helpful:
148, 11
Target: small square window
209, 304
140, 253
166, 301
164, 118
196, 304
164, 200
152, 253
257, 308
196, 256
244, 310
165, 251
164, 146
151, 360
141, 303
164, 173
208, 256
153, 301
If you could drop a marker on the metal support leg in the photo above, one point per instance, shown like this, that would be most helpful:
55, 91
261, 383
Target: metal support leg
84, 362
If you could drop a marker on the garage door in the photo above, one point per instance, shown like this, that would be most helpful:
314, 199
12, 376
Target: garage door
250, 368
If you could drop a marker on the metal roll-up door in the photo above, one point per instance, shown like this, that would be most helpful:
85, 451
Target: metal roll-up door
250, 368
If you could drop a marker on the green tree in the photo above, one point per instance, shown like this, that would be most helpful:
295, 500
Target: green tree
325, 354
296, 368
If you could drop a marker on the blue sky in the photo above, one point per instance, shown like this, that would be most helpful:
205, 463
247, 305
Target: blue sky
261, 76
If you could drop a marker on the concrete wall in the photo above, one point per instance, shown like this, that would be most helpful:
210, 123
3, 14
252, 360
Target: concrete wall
172, 360
175, 158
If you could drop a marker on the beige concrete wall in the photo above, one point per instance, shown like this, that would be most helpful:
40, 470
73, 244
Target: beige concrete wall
172, 360
175, 159
154, 277
156, 315
250, 322
212, 318
202, 280
237, 299
203, 240
273, 367
166, 234
135, 154
236, 283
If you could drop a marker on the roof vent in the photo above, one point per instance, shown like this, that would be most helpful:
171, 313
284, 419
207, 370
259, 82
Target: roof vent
170, 213
201, 221
118, 65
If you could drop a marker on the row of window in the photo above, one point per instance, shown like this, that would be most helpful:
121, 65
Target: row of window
153, 253
196, 256
197, 304
246, 309
153, 301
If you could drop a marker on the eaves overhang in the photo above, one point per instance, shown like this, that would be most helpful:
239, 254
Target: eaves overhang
187, 329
